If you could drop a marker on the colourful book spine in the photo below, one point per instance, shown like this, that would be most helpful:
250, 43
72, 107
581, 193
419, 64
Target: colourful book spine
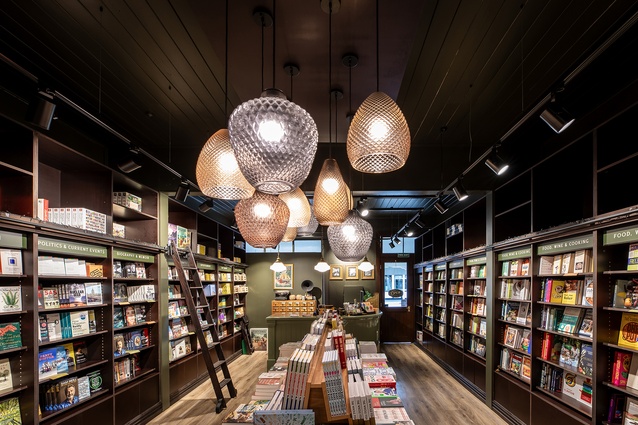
620, 371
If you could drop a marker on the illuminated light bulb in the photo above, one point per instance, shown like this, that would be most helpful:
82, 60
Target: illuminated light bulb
378, 130
271, 131
262, 210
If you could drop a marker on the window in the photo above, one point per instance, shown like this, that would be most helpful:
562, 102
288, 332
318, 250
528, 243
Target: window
306, 245
405, 247
395, 282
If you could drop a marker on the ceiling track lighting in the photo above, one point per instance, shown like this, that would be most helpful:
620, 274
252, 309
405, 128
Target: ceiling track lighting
41, 109
397, 240
556, 117
132, 162
206, 206
182, 191
362, 207
495, 163
459, 191
392, 245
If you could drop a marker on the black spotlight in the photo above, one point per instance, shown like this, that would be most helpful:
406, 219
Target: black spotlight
182, 191
397, 240
557, 117
392, 245
131, 163
206, 205
41, 109
440, 206
459, 191
496, 164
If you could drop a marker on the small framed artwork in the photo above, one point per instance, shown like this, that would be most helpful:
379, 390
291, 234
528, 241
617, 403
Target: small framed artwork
284, 279
352, 273
369, 275
336, 272
259, 337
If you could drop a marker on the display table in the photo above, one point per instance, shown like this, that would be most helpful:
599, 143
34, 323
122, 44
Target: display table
282, 329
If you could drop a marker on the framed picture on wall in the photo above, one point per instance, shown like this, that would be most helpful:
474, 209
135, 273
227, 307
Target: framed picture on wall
336, 272
369, 275
352, 273
284, 279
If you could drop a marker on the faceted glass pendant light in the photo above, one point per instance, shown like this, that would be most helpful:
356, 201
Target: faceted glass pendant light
351, 239
332, 195
274, 141
217, 172
311, 227
290, 235
262, 219
378, 137
299, 207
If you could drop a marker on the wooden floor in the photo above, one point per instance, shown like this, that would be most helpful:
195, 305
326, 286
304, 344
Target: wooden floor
430, 395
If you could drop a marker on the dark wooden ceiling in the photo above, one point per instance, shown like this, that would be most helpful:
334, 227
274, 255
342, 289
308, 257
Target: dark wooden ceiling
155, 72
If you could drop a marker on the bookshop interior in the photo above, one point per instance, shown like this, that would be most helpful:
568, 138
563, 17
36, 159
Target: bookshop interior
318, 212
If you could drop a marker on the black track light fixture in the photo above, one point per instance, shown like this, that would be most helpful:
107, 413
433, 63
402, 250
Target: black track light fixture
440, 206
41, 109
362, 207
556, 117
392, 245
182, 191
495, 163
397, 240
459, 190
131, 162
206, 206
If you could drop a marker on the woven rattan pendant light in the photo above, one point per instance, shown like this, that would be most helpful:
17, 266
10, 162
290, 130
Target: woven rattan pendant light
311, 227
290, 235
217, 172
378, 137
332, 195
274, 140
262, 219
299, 207
351, 239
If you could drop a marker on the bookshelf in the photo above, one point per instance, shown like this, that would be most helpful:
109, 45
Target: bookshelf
476, 323
455, 303
418, 305
440, 301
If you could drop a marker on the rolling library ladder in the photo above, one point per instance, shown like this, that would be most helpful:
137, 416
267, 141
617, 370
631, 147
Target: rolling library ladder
197, 304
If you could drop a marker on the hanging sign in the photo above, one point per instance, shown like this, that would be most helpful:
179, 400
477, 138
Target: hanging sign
566, 245
395, 293
71, 248
119, 254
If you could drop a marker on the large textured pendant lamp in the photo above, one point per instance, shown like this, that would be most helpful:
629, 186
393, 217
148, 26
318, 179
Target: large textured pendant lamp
262, 219
331, 198
290, 235
378, 137
351, 239
274, 140
311, 227
299, 207
217, 172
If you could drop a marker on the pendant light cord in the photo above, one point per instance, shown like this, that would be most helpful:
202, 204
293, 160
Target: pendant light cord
274, 26
330, 78
226, 66
377, 23
263, 24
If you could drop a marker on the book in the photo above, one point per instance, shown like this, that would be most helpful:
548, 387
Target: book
556, 264
526, 339
10, 299
505, 268
50, 298
512, 336
620, 368
572, 292
570, 321
118, 317
570, 352
140, 313
6, 381
516, 363
129, 316
526, 368
632, 257
521, 317
628, 332
616, 408
93, 292
119, 346
579, 261
10, 409
587, 325
81, 352
10, 336
556, 295
77, 294
586, 359
588, 292
545, 265
79, 323
567, 265
69, 353
10, 261
120, 293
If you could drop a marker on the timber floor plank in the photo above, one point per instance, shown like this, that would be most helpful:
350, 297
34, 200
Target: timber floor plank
431, 396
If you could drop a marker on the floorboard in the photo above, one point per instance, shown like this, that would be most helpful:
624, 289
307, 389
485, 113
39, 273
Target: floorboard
430, 395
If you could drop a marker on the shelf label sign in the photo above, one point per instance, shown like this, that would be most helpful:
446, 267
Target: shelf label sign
618, 236
476, 260
205, 266
439, 267
119, 254
429, 268
225, 269
395, 293
456, 264
71, 248
13, 240
515, 253
566, 245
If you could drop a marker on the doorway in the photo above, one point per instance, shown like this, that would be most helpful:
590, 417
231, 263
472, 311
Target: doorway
397, 300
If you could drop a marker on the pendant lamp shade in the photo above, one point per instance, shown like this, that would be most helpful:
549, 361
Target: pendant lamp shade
378, 137
274, 141
278, 266
311, 227
299, 207
262, 219
351, 239
332, 195
322, 266
217, 172
366, 265
290, 235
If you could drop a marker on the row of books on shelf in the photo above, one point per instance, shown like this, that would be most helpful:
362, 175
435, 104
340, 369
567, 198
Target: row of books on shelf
123, 342
67, 392
477, 346
515, 267
177, 309
129, 315
60, 266
626, 293
516, 363
515, 289
623, 409
456, 273
129, 270
478, 271
478, 307
569, 262
128, 200
179, 348
82, 218
57, 326
456, 337
123, 293
518, 312
518, 338
57, 360
478, 288
179, 236
568, 351
570, 291
557, 380
457, 320
65, 295
478, 326
456, 288
126, 369
570, 320
177, 328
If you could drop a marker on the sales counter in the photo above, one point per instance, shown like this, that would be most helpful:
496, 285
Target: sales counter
283, 328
